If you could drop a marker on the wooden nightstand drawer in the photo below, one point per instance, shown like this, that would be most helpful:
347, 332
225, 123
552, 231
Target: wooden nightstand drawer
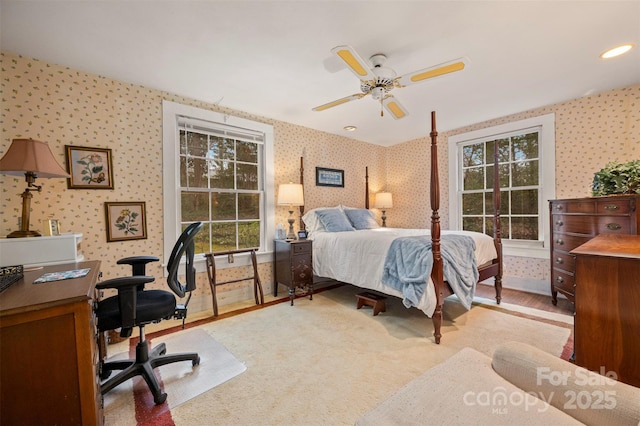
293, 266
301, 247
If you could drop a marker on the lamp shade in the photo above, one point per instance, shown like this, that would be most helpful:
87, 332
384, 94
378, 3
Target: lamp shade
28, 155
290, 194
383, 200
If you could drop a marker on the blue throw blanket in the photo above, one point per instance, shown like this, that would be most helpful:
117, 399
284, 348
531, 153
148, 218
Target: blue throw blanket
409, 261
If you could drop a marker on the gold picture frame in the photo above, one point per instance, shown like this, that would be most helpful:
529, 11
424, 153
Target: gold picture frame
52, 227
90, 168
126, 220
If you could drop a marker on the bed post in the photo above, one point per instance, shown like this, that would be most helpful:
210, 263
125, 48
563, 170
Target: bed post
496, 221
366, 187
437, 270
302, 225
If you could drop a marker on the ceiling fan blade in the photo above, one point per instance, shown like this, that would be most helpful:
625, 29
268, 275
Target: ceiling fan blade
355, 63
436, 71
339, 102
394, 107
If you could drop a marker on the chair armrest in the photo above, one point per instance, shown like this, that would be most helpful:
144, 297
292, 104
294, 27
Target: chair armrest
124, 282
137, 263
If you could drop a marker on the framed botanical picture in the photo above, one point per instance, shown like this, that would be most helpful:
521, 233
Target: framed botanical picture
126, 221
329, 177
90, 168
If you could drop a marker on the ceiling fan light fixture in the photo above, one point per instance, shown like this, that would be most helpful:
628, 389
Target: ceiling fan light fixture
616, 51
456, 66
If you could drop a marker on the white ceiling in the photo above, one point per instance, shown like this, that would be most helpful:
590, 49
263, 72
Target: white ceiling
272, 58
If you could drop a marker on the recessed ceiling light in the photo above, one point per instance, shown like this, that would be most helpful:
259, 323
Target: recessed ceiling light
350, 128
616, 51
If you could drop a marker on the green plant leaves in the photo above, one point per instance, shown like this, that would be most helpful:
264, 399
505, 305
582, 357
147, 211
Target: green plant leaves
617, 178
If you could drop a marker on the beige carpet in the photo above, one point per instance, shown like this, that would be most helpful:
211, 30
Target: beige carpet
323, 362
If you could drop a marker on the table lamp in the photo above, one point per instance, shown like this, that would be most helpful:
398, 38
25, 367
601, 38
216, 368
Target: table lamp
383, 202
33, 159
291, 195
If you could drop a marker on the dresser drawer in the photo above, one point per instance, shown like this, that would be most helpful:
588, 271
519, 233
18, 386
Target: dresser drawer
563, 261
575, 224
562, 280
613, 206
573, 207
568, 242
614, 225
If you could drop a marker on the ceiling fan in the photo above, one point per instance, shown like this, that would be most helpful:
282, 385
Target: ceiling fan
378, 80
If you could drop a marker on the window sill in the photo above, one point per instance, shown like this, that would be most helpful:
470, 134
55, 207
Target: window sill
537, 252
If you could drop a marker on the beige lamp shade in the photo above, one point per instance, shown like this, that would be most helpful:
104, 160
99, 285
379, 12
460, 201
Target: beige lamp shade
28, 155
383, 200
290, 194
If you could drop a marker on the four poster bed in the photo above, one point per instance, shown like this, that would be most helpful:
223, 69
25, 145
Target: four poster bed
382, 259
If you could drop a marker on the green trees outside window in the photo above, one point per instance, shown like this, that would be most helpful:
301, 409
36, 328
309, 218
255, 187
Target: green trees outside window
518, 163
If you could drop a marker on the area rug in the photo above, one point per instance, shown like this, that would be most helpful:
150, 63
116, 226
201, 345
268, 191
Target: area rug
132, 402
324, 362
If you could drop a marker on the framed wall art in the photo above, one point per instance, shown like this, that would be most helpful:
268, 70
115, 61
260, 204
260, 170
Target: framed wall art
90, 168
126, 221
329, 177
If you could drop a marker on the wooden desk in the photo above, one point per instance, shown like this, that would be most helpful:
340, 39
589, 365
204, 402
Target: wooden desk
607, 300
48, 350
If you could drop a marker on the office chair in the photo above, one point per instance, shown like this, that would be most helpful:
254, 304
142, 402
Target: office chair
134, 306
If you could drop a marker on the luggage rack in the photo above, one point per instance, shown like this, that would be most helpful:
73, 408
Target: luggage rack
213, 282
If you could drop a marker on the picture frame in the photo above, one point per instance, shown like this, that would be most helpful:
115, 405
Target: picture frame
90, 168
329, 177
125, 220
52, 227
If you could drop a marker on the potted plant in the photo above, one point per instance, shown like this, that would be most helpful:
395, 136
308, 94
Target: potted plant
617, 178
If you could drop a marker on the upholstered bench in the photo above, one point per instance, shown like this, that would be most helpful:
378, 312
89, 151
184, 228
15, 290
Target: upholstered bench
376, 301
521, 385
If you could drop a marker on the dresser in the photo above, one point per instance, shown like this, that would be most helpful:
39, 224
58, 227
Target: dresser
607, 301
293, 266
49, 356
577, 220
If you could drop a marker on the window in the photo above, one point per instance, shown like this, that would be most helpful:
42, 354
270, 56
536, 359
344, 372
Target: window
527, 181
217, 170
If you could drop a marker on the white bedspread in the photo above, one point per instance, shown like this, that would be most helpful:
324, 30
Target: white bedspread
357, 257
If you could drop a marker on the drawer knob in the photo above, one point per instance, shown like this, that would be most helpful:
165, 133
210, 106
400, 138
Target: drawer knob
560, 280
559, 260
613, 226
558, 206
559, 242
611, 207
559, 222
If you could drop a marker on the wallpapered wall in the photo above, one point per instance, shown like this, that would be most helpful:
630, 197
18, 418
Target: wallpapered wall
63, 106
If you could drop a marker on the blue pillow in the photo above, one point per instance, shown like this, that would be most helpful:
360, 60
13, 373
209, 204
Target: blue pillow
362, 218
334, 220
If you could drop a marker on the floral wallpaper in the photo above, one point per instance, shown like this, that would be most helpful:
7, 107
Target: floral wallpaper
63, 106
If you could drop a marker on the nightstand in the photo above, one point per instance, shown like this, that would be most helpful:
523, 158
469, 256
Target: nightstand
293, 266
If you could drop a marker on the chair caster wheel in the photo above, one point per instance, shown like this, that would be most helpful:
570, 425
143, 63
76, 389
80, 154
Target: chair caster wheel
160, 399
196, 361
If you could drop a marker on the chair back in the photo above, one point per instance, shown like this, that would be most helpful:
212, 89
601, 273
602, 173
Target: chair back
184, 246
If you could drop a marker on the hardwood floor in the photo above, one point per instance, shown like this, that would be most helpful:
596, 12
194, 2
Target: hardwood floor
516, 297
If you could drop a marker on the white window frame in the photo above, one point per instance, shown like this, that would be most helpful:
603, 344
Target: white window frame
547, 162
171, 112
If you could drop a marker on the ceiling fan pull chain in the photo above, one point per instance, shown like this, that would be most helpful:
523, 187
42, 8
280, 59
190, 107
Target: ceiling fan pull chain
381, 110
